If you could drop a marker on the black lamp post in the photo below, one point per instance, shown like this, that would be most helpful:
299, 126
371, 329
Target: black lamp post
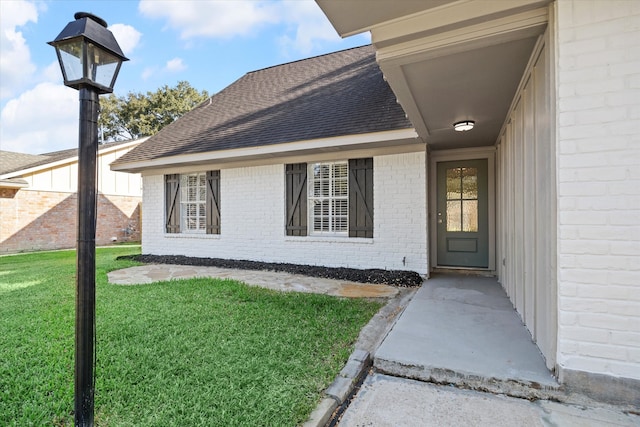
90, 59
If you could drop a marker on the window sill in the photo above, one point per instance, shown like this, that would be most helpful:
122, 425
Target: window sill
191, 236
330, 239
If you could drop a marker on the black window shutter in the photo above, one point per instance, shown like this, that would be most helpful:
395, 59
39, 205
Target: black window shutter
172, 203
361, 197
213, 202
296, 199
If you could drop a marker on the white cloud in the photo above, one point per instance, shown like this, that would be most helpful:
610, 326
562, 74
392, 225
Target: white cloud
127, 37
148, 72
310, 26
40, 120
222, 19
52, 73
175, 65
304, 25
16, 67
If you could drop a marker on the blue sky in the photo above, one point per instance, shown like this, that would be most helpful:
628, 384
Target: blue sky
210, 44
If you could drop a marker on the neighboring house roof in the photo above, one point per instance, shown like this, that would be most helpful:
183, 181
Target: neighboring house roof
342, 93
10, 161
12, 164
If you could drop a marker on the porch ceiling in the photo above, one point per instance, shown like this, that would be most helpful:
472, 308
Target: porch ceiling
448, 60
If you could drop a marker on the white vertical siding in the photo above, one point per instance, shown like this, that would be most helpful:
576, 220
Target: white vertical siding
526, 229
64, 177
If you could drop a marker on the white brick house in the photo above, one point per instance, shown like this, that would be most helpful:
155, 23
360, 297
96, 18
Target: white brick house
253, 212
544, 191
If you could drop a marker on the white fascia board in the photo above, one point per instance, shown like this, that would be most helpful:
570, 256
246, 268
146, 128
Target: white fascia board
475, 36
69, 160
448, 17
13, 184
272, 151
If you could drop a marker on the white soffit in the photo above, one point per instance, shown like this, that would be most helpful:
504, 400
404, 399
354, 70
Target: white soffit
450, 60
351, 17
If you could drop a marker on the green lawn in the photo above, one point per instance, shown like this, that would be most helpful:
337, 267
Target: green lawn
190, 352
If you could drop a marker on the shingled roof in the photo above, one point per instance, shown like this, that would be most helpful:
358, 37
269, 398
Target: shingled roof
11, 161
337, 94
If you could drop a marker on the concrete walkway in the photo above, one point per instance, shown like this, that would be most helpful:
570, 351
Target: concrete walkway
385, 401
267, 279
463, 330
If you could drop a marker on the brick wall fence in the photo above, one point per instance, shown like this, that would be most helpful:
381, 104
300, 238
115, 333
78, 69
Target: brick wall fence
45, 220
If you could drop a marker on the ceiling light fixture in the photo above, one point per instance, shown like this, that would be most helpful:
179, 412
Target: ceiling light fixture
464, 126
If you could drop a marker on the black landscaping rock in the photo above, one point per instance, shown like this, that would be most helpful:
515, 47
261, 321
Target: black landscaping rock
378, 276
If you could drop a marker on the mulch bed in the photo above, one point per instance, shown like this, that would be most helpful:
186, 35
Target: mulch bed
378, 276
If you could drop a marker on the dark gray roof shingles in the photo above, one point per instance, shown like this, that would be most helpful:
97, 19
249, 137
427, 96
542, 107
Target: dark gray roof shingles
341, 93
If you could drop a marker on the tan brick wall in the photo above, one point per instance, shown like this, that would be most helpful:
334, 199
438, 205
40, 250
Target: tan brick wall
43, 220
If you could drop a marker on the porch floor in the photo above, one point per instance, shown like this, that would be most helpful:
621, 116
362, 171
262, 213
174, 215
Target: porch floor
463, 330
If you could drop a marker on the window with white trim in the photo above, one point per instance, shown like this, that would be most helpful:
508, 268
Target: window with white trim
193, 202
329, 198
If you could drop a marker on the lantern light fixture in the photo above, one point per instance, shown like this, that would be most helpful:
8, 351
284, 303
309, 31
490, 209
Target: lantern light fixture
88, 53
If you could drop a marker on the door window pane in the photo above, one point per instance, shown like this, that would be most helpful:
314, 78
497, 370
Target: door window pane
454, 219
462, 199
470, 215
469, 183
453, 183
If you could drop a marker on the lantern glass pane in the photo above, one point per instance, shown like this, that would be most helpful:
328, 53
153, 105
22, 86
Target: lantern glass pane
103, 66
70, 54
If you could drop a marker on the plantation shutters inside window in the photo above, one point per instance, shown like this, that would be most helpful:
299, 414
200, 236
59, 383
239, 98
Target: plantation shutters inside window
213, 202
296, 199
172, 203
361, 197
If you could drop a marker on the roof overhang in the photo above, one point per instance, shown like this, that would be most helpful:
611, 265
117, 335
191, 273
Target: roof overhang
448, 60
14, 184
102, 150
404, 140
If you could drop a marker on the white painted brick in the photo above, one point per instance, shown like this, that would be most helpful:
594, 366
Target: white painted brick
608, 322
633, 355
625, 338
579, 131
625, 370
252, 219
631, 278
567, 318
581, 335
583, 218
610, 232
626, 248
605, 351
571, 278
626, 98
580, 305
599, 203
573, 76
568, 347
582, 189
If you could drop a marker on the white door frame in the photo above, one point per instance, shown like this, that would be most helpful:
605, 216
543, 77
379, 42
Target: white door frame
462, 154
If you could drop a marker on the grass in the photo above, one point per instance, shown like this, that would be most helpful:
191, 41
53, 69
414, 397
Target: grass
190, 352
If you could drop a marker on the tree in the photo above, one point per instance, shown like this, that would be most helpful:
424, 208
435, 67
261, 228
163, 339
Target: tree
136, 114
